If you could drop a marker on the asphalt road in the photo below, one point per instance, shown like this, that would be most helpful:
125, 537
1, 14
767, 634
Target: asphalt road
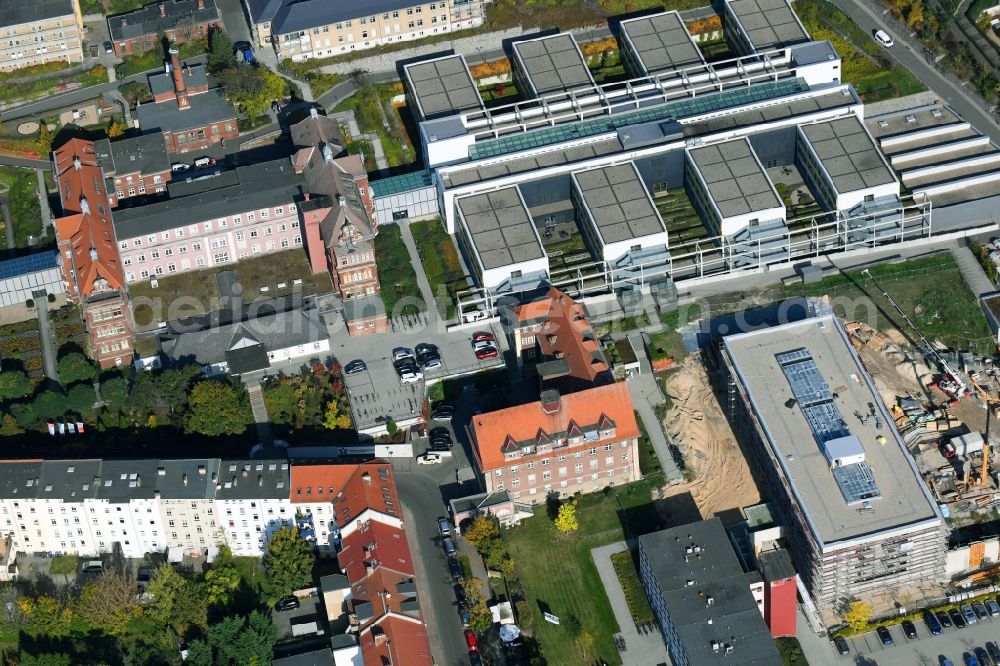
909, 53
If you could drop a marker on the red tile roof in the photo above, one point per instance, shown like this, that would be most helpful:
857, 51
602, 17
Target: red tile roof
312, 483
387, 548
87, 228
371, 486
566, 334
576, 412
395, 640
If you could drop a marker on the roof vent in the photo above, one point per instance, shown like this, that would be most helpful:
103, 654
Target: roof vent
709, 600
93, 254
711, 621
366, 477
76, 162
84, 206
184, 479
161, 471
260, 479
327, 153
201, 470
729, 649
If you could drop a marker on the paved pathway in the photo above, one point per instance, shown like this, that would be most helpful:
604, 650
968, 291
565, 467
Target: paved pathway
43, 200
645, 396
972, 271
355, 132
260, 414
640, 649
48, 340
425, 287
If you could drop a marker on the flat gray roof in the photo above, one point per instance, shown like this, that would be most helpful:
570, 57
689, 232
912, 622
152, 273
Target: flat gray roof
910, 120
735, 179
443, 86
617, 203
848, 154
904, 500
768, 23
692, 564
553, 64
500, 228
476, 174
661, 42
738, 117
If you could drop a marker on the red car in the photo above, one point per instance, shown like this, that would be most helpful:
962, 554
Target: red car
483, 336
486, 352
470, 640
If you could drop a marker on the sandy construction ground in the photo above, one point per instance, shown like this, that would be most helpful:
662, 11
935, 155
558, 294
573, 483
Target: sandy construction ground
697, 425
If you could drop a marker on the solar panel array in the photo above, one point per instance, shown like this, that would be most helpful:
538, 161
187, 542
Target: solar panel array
815, 399
29, 263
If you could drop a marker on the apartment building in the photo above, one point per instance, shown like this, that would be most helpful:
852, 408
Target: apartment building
33, 32
306, 29
135, 167
236, 214
858, 517
178, 20
88, 256
559, 444
190, 115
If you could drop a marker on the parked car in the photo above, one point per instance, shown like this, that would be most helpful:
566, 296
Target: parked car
840, 645
486, 352
204, 161
354, 367
286, 604
429, 458
109, 47
425, 349
980, 610
465, 616
947, 662
909, 630
994, 651
460, 594
993, 607
884, 636
401, 352
444, 527
454, 568
968, 614
471, 641
431, 364
179, 167
449, 547
883, 38
439, 431
983, 656
970, 659
480, 336
409, 377
92, 568
144, 575
932, 623
944, 619
957, 618
442, 415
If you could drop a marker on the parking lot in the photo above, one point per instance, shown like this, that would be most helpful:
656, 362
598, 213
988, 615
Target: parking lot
926, 649
377, 395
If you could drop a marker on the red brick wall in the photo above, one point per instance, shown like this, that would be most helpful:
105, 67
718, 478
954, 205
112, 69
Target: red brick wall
146, 42
174, 147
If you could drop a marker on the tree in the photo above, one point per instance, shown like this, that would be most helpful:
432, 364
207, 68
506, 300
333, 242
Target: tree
80, 398
114, 392
222, 579
483, 528
199, 654
566, 521
116, 130
253, 88
75, 367
288, 563
44, 140
50, 405
220, 54
9, 426
391, 428
857, 615
334, 419
45, 616
24, 413
108, 603
215, 408
14, 384
44, 659
175, 600
243, 641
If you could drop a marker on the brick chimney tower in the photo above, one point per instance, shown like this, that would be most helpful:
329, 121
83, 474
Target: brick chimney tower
163, 10
180, 89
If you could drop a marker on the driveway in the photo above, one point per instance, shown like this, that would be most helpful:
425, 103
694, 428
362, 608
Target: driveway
234, 20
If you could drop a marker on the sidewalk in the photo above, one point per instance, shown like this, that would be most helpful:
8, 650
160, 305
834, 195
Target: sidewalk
640, 649
646, 395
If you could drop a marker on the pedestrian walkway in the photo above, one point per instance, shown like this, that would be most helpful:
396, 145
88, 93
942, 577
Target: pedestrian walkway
972, 271
425, 287
646, 395
349, 119
641, 649
48, 340
43, 200
260, 414
476, 564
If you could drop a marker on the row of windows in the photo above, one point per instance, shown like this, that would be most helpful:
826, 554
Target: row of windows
578, 483
544, 448
210, 226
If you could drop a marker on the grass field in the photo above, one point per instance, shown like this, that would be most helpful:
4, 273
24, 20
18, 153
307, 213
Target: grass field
648, 462
396, 274
559, 576
929, 289
441, 264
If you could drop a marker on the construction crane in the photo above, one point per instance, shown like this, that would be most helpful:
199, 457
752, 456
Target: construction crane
954, 384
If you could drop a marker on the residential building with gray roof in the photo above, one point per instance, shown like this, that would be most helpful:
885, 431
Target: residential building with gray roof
178, 20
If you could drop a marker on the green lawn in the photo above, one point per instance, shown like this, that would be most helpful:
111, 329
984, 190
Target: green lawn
649, 463
396, 143
665, 344
932, 286
63, 564
441, 264
628, 576
559, 576
21, 187
271, 270
396, 274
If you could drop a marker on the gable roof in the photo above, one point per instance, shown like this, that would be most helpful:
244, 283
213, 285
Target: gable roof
395, 639
371, 486
87, 227
148, 21
310, 483
494, 432
381, 546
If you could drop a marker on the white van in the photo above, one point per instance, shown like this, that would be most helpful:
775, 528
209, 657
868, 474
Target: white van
883, 38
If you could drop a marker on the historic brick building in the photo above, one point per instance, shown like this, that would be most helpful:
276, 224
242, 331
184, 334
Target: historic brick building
179, 20
88, 254
134, 167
